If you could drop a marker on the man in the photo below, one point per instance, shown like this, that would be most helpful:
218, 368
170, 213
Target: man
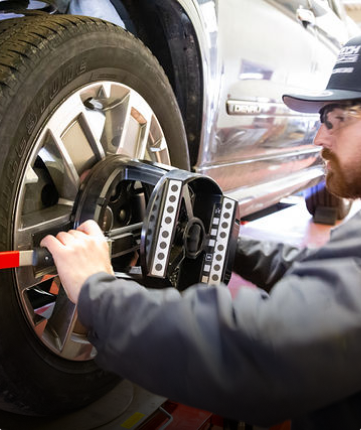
293, 353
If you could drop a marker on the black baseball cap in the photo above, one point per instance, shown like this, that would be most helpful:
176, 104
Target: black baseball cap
344, 83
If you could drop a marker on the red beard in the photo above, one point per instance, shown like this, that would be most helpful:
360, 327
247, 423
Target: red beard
341, 182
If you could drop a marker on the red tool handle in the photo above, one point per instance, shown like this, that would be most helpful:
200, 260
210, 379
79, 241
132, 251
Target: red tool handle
9, 259
35, 257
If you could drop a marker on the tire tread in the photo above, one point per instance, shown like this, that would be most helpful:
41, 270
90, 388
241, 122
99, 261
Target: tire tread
17, 64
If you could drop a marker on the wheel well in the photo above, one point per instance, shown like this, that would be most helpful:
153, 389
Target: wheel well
168, 32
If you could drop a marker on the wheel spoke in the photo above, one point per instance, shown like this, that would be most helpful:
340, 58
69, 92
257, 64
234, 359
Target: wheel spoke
63, 318
91, 132
30, 176
37, 224
157, 145
115, 119
60, 166
64, 322
77, 134
142, 116
28, 278
106, 107
76, 344
136, 127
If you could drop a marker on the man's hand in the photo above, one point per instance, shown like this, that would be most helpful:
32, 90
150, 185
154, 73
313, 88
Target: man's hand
79, 254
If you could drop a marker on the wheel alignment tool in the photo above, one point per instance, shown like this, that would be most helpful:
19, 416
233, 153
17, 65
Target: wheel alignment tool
188, 234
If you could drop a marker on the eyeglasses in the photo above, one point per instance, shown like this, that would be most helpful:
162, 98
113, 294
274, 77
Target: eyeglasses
337, 116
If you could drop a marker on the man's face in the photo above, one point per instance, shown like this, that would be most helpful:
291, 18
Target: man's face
340, 138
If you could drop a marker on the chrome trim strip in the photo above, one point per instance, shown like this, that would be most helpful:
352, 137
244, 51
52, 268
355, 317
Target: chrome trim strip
251, 199
207, 168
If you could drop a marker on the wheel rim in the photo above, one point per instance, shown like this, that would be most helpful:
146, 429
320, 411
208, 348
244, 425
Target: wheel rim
97, 121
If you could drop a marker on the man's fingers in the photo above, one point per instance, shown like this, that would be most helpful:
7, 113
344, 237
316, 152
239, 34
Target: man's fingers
77, 234
65, 238
51, 243
79, 254
91, 228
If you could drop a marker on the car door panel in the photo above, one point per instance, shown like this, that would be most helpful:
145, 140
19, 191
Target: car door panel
252, 125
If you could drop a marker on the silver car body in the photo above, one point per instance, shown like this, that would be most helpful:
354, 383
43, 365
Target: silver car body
252, 52
252, 144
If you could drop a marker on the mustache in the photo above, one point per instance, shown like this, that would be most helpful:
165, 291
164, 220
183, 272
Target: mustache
326, 154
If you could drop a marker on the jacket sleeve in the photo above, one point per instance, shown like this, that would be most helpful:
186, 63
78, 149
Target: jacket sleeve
263, 262
258, 358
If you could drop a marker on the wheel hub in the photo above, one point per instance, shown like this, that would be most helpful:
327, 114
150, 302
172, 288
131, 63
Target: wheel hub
194, 240
108, 194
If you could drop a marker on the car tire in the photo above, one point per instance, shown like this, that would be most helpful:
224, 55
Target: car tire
43, 60
319, 197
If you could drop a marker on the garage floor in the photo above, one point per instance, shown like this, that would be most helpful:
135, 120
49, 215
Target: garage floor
293, 225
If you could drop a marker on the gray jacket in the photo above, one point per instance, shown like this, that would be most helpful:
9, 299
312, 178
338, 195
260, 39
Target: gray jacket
263, 357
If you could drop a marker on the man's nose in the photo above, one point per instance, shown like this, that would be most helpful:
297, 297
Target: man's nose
323, 137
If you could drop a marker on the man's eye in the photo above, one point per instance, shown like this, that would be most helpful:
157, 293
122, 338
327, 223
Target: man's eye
340, 118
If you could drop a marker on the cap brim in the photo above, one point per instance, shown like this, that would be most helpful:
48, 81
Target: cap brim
313, 104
